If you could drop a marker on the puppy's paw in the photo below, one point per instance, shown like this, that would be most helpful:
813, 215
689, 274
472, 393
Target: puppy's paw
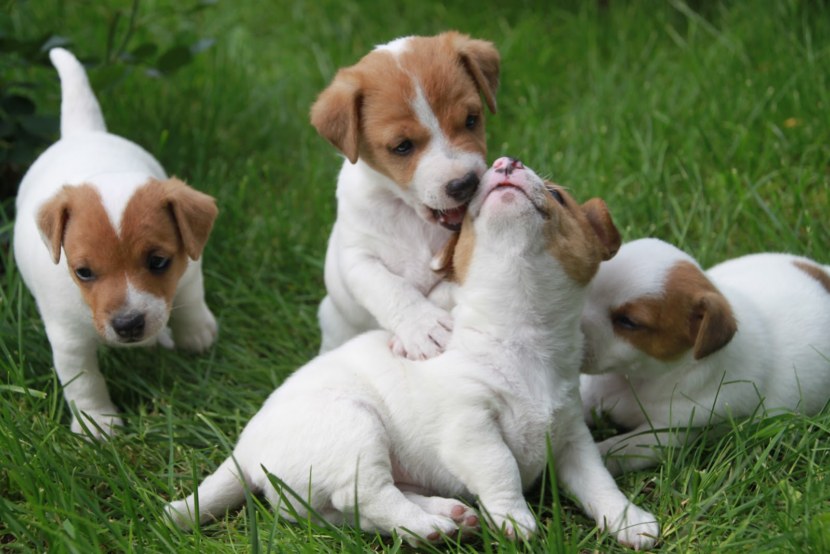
428, 529
464, 516
518, 523
97, 424
196, 334
180, 513
634, 528
424, 337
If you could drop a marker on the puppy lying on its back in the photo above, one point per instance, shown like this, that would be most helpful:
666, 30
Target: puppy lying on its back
363, 435
109, 246
410, 121
669, 346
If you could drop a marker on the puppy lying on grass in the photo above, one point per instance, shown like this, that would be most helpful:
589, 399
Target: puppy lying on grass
670, 347
361, 434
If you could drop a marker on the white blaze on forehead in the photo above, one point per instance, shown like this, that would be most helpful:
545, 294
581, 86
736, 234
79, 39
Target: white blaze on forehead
395, 47
115, 191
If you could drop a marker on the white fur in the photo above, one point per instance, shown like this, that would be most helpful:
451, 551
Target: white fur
87, 154
359, 430
779, 359
377, 264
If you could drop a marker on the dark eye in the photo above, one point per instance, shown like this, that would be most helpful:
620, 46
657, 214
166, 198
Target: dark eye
84, 274
471, 122
622, 320
157, 264
403, 148
557, 195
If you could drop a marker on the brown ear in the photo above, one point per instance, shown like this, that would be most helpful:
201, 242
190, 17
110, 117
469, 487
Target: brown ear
599, 217
336, 113
194, 213
712, 324
51, 221
442, 261
481, 59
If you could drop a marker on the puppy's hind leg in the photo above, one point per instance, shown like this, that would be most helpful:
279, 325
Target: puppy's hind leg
219, 491
335, 329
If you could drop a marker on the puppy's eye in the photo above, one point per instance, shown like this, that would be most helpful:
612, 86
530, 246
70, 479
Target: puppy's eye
404, 148
157, 264
84, 274
557, 195
625, 322
471, 122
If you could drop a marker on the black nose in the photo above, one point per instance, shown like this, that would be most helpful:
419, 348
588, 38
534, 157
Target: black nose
129, 325
463, 188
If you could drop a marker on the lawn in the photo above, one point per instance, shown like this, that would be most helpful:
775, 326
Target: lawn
706, 124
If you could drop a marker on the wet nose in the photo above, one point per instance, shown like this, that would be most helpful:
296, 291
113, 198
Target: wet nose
129, 325
463, 188
507, 165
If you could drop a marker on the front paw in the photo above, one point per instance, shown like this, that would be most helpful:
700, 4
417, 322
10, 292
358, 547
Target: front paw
196, 334
634, 528
516, 523
422, 337
98, 424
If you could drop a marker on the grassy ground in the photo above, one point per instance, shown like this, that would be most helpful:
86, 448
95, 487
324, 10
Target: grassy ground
706, 124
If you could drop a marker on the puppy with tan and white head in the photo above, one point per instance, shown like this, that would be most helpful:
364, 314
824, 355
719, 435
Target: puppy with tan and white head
670, 348
365, 437
109, 246
409, 118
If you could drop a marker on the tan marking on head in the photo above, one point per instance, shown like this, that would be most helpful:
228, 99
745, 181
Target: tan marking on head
162, 218
580, 237
453, 261
690, 314
815, 272
366, 111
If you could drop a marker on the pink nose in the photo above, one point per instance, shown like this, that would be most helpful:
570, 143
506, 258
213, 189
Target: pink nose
507, 165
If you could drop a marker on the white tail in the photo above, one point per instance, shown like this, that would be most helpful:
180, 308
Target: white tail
80, 111
219, 491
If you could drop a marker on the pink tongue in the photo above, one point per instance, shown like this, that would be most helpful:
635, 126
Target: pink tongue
452, 218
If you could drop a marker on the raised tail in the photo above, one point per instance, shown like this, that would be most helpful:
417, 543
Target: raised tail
219, 491
80, 111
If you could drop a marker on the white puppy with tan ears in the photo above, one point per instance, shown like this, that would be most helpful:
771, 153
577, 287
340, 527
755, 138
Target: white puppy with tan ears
109, 246
360, 434
409, 119
670, 347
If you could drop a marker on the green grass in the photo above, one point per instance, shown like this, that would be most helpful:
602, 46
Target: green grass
706, 124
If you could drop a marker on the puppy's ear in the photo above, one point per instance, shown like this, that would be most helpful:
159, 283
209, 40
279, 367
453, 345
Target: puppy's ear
194, 213
481, 60
336, 113
711, 324
442, 261
51, 222
599, 217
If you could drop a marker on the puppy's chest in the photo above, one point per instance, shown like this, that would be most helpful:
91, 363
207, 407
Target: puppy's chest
409, 251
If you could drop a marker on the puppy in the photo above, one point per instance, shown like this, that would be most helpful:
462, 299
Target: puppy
363, 435
109, 246
409, 119
676, 348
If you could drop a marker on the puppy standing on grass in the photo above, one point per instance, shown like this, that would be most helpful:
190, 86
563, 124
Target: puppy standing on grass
109, 246
409, 119
361, 433
671, 347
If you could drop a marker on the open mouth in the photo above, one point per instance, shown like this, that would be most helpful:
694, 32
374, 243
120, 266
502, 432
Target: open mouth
451, 218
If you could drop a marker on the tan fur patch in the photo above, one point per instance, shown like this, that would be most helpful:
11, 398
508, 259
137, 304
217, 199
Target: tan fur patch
162, 218
815, 272
691, 313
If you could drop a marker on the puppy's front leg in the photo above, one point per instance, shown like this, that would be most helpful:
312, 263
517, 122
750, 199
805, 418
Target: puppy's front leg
474, 451
580, 471
194, 327
421, 329
84, 388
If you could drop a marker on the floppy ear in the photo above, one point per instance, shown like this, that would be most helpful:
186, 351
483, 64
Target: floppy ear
194, 213
442, 261
599, 217
336, 113
51, 221
481, 59
711, 324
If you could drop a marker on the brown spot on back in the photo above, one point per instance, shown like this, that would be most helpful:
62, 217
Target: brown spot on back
691, 313
815, 272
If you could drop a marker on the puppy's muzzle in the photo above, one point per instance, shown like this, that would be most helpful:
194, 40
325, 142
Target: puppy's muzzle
129, 326
463, 188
